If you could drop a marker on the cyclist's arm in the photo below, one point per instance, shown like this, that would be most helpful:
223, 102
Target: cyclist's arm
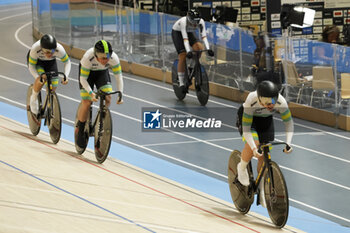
65, 59
84, 74
32, 61
185, 37
247, 120
117, 71
287, 119
203, 33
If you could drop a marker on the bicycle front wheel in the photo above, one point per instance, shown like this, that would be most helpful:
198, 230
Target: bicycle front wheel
103, 134
239, 193
54, 112
276, 196
33, 122
202, 87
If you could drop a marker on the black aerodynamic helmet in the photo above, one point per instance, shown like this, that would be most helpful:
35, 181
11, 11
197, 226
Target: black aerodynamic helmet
48, 42
103, 46
268, 89
193, 17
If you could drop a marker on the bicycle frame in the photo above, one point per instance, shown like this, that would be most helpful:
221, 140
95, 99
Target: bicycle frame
92, 126
195, 71
266, 164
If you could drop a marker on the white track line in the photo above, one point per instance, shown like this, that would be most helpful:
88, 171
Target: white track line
212, 172
12, 16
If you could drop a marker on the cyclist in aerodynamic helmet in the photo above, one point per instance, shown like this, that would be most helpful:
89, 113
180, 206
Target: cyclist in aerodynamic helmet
185, 39
41, 58
255, 123
93, 71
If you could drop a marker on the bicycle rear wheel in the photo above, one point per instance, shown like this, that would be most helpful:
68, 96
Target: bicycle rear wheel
81, 150
277, 202
239, 193
33, 122
103, 135
54, 112
202, 87
179, 92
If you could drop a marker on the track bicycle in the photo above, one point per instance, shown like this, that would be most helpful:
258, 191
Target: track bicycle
275, 187
101, 128
49, 110
193, 70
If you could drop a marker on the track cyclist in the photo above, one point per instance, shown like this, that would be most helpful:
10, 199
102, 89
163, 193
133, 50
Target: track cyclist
41, 58
255, 123
93, 70
184, 37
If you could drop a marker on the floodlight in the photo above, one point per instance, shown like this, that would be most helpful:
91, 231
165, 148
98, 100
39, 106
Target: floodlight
309, 15
296, 16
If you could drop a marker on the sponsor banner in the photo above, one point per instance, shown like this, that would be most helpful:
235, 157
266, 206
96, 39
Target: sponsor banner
245, 17
327, 22
255, 16
318, 14
275, 17
245, 10
276, 24
317, 30
255, 3
236, 4
317, 22
336, 3
338, 13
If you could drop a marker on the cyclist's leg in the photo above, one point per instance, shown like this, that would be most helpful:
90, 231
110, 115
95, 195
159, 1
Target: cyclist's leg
181, 51
247, 153
246, 156
266, 134
34, 106
83, 112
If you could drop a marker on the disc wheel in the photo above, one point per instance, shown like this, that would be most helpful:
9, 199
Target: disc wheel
179, 92
55, 126
276, 197
33, 121
103, 135
239, 193
81, 150
202, 88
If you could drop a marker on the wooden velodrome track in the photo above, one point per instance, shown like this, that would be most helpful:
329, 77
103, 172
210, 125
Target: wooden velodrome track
49, 188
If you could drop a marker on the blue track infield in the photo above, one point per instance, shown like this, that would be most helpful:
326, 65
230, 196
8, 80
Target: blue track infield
217, 188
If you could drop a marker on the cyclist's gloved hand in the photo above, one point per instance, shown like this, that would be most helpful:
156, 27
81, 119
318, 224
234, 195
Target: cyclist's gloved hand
256, 153
189, 55
120, 99
287, 149
210, 52
64, 81
42, 78
93, 97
